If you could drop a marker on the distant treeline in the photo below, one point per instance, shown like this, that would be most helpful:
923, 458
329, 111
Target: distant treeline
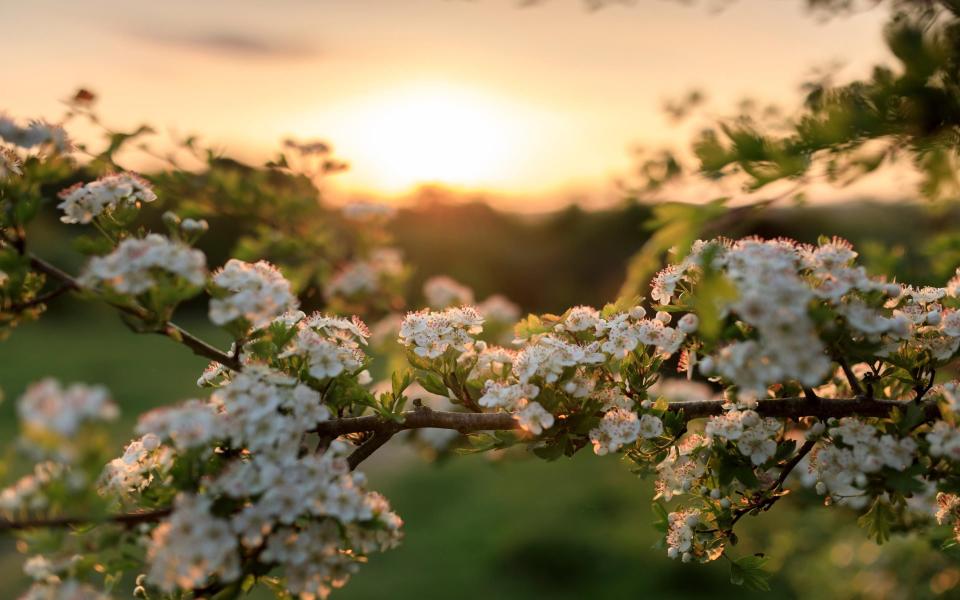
547, 262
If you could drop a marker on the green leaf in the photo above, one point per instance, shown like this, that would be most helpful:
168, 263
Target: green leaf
551, 451
912, 416
662, 524
400, 380
877, 521
432, 383
748, 572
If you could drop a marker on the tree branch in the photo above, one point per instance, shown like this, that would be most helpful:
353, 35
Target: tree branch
464, 422
765, 502
127, 520
793, 462
419, 419
851, 378
373, 444
41, 299
168, 329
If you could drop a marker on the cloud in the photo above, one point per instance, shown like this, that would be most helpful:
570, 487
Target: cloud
230, 43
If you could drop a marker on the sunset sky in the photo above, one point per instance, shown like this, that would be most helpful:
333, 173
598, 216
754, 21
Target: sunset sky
527, 104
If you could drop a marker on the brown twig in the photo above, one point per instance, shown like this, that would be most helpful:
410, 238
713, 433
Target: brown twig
766, 501
370, 446
127, 520
851, 378
466, 422
168, 329
41, 299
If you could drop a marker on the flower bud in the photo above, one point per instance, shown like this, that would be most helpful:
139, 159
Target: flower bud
688, 323
706, 366
194, 226
899, 325
170, 219
815, 431
664, 317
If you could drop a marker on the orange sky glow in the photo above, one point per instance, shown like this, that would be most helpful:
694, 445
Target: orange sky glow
532, 106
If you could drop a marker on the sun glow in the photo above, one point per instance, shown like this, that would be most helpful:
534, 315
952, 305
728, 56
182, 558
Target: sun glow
432, 134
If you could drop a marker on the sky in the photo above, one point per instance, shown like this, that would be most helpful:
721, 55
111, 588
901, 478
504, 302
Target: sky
530, 105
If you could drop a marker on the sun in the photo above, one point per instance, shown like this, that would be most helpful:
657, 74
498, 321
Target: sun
431, 134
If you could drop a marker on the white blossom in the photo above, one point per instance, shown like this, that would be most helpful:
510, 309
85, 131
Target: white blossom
431, 334
256, 292
617, 428
137, 265
443, 292
533, 417
192, 547
48, 406
82, 203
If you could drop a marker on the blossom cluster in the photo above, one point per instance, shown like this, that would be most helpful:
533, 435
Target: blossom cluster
570, 358
324, 346
139, 264
858, 450
683, 539
431, 334
46, 406
144, 461
683, 467
28, 494
772, 297
365, 276
777, 282
305, 512
752, 434
255, 292
34, 134
443, 292
82, 203
192, 547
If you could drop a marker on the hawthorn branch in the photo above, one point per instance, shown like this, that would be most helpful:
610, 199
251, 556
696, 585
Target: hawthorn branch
367, 449
792, 463
467, 422
464, 422
167, 329
851, 378
126, 519
771, 496
41, 299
